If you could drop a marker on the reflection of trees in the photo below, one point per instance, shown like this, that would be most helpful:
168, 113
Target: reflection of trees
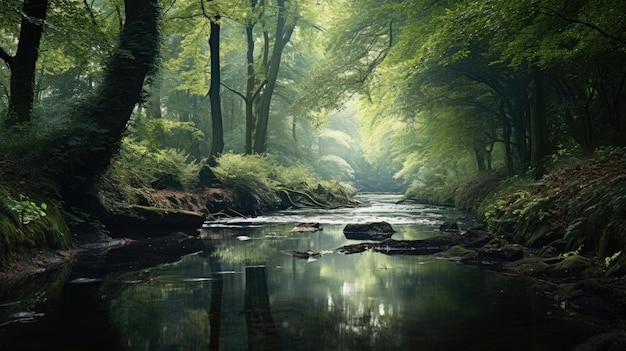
260, 325
24, 294
153, 308
369, 301
264, 244
349, 302
217, 289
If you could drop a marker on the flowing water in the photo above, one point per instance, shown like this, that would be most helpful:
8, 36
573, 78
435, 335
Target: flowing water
242, 290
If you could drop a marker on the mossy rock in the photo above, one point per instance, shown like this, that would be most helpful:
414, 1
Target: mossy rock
572, 267
527, 266
506, 252
458, 252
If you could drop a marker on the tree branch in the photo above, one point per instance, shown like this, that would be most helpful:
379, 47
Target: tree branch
232, 91
587, 24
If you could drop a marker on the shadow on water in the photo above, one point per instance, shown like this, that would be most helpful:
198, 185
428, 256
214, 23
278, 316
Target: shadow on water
239, 289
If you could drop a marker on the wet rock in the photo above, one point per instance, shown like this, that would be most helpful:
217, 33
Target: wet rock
307, 227
367, 236
562, 268
373, 228
449, 227
527, 266
573, 266
458, 253
428, 246
500, 253
473, 238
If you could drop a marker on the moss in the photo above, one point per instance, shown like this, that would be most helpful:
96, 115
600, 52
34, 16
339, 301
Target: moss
527, 266
459, 252
27, 225
573, 266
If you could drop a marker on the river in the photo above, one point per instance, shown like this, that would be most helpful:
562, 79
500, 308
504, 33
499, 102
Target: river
242, 290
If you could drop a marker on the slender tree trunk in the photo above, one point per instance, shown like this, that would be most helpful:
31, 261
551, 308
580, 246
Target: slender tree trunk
506, 136
479, 155
250, 86
294, 134
217, 141
22, 65
284, 29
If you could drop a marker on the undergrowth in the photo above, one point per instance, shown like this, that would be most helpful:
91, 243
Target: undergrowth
261, 180
138, 169
582, 205
27, 224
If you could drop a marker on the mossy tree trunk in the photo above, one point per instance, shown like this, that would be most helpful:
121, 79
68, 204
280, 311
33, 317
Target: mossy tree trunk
101, 121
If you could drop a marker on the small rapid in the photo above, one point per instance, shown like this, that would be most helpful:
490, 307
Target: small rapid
374, 208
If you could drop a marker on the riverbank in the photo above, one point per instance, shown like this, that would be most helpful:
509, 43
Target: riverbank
567, 231
576, 210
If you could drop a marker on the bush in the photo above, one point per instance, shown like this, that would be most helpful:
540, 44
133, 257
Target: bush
254, 177
259, 180
138, 169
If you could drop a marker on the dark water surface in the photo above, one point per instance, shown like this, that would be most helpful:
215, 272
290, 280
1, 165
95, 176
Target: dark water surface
242, 291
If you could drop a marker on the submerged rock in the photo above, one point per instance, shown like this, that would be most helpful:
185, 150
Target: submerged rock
307, 227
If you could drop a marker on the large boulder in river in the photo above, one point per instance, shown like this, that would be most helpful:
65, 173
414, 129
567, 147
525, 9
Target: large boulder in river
368, 231
374, 227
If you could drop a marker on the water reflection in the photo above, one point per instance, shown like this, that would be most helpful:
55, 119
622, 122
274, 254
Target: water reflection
251, 295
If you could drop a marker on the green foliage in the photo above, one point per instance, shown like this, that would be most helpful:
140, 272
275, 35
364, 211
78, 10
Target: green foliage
333, 166
139, 169
521, 215
609, 259
260, 180
25, 209
26, 224
250, 175
583, 204
466, 193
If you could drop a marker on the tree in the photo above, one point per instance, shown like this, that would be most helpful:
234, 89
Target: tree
286, 19
22, 64
217, 140
100, 121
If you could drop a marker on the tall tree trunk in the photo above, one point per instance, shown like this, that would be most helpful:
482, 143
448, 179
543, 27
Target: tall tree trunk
217, 140
284, 29
101, 121
22, 65
506, 136
250, 86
